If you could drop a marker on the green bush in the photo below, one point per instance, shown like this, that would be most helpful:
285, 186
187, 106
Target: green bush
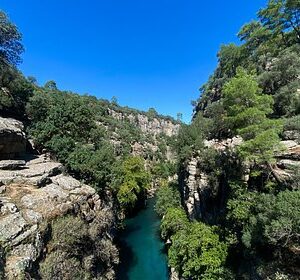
68, 244
292, 123
69, 234
94, 166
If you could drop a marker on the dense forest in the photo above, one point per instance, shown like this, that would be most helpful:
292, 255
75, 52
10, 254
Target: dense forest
250, 228
254, 93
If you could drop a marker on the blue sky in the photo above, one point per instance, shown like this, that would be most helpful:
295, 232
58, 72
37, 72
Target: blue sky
147, 53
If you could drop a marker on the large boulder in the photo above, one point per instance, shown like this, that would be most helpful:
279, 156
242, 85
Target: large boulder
12, 138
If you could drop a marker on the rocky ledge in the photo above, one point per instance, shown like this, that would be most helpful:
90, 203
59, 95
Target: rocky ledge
35, 195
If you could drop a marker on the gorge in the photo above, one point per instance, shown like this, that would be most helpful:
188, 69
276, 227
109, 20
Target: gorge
90, 189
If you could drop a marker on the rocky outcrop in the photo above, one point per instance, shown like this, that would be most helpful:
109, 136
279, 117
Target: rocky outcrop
224, 145
292, 135
152, 126
12, 138
34, 190
33, 196
174, 275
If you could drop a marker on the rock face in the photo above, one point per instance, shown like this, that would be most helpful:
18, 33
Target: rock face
152, 126
174, 275
197, 190
12, 138
198, 194
228, 144
288, 160
155, 129
33, 192
195, 184
292, 135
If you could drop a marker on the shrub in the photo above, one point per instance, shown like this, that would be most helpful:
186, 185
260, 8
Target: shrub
59, 265
69, 234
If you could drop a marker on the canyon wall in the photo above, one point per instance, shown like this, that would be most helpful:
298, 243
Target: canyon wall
154, 125
204, 201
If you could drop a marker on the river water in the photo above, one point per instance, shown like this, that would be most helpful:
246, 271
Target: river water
142, 251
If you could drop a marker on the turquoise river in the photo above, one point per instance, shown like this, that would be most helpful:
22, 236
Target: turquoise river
142, 251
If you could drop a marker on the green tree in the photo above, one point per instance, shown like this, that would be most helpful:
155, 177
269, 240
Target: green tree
60, 113
51, 85
67, 246
131, 181
167, 197
256, 38
174, 219
247, 109
152, 113
59, 265
32, 80
243, 101
191, 136
10, 43
14, 92
230, 57
94, 166
281, 80
274, 222
114, 100
281, 16
198, 253
179, 117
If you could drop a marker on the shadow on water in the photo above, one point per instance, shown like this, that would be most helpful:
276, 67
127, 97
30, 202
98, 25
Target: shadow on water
128, 260
127, 257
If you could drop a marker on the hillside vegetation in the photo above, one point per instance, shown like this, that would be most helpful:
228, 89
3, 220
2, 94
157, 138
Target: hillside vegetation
247, 221
252, 228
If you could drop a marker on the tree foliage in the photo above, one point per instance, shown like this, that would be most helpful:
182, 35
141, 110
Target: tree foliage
246, 114
10, 42
198, 253
175, 219
168, 196
131, 181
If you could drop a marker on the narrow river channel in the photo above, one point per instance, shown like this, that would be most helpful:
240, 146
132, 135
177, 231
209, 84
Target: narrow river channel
142, 250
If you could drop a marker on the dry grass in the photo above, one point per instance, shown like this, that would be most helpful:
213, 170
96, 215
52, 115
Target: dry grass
16, 191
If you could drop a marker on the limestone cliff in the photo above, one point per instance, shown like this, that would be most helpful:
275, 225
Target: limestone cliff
154, 126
